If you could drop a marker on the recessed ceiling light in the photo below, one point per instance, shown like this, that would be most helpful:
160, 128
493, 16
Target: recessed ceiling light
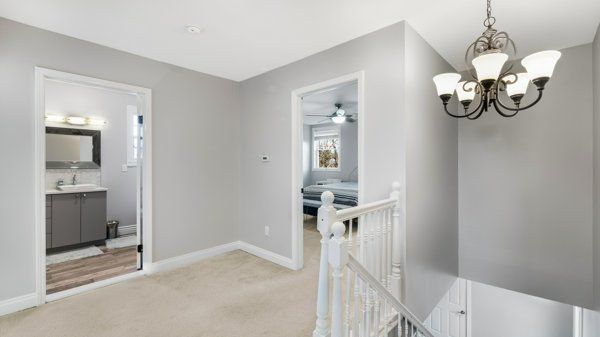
194, 29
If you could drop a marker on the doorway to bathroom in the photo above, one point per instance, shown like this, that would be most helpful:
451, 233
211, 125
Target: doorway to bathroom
93, 172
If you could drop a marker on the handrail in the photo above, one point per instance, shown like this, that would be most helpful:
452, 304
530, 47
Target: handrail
353, 212
356, 267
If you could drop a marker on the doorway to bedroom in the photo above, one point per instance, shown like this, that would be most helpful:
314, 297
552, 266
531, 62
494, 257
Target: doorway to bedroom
330, 136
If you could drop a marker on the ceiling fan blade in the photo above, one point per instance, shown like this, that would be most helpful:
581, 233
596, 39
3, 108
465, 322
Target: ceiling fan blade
324, 120
317, 115
350, 120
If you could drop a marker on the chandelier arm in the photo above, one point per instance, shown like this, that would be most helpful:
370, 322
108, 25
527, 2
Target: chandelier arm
499, 110
480, 109
540, 92
470, 113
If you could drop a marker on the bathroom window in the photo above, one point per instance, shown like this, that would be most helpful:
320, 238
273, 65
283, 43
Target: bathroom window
133, 137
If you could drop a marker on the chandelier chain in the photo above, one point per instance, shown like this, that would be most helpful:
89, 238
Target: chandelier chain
489, 22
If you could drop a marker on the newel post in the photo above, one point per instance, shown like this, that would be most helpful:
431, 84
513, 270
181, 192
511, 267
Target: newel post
325, 218
338, 258
397, 238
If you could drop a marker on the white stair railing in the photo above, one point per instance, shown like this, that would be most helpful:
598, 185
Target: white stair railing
368, 302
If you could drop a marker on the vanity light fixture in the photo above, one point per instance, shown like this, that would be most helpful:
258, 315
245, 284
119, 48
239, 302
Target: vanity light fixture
489, 55
75, 120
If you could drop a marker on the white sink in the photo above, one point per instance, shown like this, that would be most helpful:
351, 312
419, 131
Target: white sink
75, 188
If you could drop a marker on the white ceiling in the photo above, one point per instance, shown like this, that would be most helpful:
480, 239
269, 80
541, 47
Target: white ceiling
244, 38
323, 103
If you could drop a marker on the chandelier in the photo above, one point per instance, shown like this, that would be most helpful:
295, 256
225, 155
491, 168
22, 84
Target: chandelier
493, 75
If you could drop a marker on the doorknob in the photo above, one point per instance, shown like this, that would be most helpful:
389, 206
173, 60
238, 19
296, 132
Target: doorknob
462, 312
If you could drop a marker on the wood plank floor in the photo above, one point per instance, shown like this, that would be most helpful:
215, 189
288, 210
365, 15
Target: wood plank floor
71, 274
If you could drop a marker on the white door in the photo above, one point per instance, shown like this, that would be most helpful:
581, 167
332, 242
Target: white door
449, 317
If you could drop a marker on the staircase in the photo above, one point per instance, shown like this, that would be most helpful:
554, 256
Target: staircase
366, 266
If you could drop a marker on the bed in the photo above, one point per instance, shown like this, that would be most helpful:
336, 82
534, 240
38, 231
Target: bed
345, 193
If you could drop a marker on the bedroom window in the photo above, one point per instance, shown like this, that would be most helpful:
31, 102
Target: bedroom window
326, 149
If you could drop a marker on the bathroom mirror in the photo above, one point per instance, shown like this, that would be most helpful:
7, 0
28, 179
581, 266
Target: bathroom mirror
72, 148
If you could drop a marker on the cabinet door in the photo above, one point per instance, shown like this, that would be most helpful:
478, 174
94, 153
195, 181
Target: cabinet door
66, 213
93, 216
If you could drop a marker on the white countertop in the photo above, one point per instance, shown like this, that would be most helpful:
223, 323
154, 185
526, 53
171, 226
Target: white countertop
86, 190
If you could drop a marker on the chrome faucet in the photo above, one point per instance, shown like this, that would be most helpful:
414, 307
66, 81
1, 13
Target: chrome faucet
74, 181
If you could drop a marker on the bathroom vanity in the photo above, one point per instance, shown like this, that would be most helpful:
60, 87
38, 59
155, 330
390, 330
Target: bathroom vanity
75, 217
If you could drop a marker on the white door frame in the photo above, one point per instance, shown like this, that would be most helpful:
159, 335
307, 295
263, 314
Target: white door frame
297, 122
145, 108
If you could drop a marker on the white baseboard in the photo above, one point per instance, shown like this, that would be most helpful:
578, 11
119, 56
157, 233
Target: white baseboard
126, 230
186, 259
18, 303
267, 255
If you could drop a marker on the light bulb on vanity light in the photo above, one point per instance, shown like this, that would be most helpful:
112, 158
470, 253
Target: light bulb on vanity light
55, 119
96, 122
74, 120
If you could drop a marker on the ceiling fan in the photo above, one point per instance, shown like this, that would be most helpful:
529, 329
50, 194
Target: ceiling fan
338, 116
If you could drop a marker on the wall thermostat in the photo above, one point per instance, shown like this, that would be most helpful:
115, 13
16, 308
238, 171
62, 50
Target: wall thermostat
265, 158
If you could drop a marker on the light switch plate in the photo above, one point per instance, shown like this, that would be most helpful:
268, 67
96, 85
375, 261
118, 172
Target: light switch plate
124, 168
267, 230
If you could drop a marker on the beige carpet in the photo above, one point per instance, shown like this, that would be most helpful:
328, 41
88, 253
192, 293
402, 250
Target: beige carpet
232, 295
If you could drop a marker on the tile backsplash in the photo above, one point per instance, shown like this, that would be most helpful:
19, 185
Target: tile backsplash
83, 177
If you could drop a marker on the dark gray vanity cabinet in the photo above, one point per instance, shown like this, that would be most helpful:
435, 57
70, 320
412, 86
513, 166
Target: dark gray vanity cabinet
66, 215
93, 216
75, 218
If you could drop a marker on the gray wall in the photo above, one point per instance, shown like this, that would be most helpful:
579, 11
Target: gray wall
265, 197
68, 99
596, 72
431, 180
195, 177
265, 189
526, 191
348, 155
497, 312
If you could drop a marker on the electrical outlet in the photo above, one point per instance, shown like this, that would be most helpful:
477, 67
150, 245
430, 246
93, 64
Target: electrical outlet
267, 230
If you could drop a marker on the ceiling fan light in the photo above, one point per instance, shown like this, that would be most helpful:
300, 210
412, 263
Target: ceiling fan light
541, 64
489, 66
468, 94
340, 112
520, 86
338, 119
446, 83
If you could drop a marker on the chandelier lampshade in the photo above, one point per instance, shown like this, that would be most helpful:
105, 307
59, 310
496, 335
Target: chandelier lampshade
466, 91
541, 65
446, 83
489, 66
492, 77
519, 87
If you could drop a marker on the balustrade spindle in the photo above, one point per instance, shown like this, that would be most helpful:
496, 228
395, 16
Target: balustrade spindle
369, 306
338, 258
376, 313
389, 263
396, 242
355, 327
